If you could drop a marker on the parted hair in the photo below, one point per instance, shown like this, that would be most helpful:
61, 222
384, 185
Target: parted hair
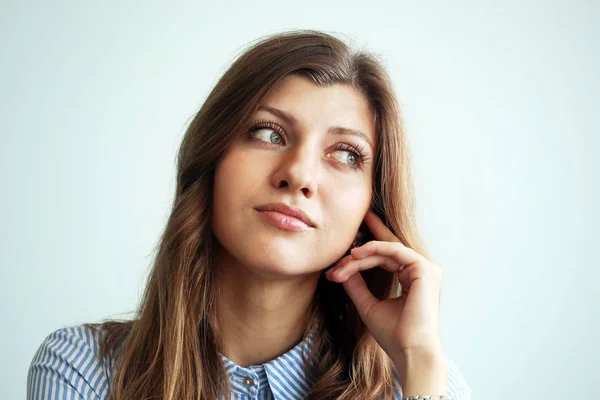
170, 350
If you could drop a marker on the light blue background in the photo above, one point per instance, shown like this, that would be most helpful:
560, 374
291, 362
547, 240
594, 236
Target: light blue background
501, 101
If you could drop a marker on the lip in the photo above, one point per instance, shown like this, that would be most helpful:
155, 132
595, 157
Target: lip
286, 217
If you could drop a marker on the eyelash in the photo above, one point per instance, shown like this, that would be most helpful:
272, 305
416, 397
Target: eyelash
356, 150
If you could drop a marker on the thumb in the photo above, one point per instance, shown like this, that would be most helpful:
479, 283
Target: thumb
360, 295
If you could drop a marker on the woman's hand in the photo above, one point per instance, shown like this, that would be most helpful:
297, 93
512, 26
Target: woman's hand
406, 325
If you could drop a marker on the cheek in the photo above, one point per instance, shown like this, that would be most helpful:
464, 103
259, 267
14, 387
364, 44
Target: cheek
347, 205
349, 195
231, 173
225, 187
237, 178
242, 165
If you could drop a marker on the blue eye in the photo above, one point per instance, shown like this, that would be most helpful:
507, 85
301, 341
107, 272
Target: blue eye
267, 131
268, 135
350, 158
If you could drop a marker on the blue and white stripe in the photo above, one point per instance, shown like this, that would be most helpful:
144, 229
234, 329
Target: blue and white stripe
281, 378
67, 367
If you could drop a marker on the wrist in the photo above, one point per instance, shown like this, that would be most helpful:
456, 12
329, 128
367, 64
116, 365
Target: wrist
423, 372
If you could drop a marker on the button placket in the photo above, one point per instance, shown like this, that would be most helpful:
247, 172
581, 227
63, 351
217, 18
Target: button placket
248, 382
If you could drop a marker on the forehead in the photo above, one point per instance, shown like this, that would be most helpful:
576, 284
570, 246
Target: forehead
319, 107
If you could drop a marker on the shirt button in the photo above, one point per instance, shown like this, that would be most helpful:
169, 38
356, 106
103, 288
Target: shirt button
248, 382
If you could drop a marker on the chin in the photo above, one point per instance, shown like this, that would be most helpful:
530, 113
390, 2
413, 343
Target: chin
275, 256
280, 264
277, 259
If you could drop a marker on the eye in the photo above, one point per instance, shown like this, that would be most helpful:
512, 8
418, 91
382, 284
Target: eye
346, 157
267, 131
268, 135
351, 156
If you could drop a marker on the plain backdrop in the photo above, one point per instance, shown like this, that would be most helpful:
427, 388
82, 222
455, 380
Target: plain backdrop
501, 103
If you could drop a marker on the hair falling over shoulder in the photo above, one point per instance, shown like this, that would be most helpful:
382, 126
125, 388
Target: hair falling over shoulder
170, 350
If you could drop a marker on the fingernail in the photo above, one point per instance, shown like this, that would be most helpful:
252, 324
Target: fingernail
338, 268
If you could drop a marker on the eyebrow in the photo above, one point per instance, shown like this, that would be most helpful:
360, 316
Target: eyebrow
340, 130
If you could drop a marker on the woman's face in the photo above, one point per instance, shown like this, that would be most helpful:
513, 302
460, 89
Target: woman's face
307, 147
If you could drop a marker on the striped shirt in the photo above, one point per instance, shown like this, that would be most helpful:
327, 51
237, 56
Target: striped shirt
67, 366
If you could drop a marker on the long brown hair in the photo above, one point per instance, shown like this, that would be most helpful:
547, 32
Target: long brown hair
171, 349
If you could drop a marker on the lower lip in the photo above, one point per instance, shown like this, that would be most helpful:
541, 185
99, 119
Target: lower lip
283, 221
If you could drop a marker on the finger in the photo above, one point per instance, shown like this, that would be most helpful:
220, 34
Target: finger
341, 262
360, 295
378, 228
344, 271
338, 265
404, 281
350, 268
400, 253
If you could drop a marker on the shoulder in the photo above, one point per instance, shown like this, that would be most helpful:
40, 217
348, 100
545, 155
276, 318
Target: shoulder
458, 389
68, 365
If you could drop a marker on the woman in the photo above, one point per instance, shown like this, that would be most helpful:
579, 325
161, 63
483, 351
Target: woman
291, 236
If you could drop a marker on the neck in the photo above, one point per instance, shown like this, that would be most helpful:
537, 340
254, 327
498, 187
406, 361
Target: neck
260, 319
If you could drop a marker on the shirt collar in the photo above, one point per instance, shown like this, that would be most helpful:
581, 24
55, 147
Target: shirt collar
285, 375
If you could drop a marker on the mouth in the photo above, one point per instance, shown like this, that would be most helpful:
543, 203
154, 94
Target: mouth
286, 217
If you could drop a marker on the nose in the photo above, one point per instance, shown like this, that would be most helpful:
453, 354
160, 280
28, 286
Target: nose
297, 171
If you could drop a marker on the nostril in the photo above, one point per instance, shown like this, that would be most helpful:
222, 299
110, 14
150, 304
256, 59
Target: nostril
283, 184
